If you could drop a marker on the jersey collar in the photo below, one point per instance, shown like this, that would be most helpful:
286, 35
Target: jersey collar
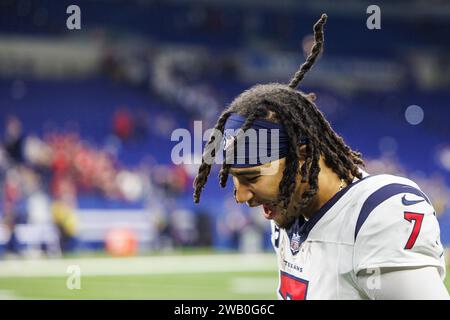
302, 228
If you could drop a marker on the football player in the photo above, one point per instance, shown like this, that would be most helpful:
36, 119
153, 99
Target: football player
338, 232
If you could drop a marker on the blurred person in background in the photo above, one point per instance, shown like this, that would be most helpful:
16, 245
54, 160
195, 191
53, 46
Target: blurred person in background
123, 124
63, 213
14, 200
14, 139
14, 208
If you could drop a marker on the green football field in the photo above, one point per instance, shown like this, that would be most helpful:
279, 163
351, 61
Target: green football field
197, 277
243, 285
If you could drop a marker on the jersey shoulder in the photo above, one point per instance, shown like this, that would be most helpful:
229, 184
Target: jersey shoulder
396, 225
371, 183
380, 193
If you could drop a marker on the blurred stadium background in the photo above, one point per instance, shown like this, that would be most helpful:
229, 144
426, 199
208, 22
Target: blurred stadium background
86, 118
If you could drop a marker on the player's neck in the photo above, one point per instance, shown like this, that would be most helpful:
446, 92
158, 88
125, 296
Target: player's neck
329, 184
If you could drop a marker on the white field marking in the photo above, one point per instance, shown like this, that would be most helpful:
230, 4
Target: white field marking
251, 285
8, 295
140, 265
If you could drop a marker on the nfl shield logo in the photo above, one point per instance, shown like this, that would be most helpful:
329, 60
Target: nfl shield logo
295, 243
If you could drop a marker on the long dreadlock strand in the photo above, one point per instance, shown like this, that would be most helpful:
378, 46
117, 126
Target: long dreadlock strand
315, 51
205, 167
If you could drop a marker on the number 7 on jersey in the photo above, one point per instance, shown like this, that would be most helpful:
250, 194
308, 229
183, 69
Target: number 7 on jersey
417, 218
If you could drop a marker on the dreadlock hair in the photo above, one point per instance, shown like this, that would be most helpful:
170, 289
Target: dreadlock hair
300, 117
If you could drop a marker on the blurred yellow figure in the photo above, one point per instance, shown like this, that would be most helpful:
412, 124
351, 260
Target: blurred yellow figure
66, 221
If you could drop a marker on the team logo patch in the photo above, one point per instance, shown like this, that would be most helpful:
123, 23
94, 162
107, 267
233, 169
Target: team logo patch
295, 243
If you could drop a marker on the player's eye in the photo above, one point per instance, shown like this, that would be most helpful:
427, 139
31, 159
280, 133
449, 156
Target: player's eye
253, 179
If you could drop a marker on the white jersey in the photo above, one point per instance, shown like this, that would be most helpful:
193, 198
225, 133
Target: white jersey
380, 221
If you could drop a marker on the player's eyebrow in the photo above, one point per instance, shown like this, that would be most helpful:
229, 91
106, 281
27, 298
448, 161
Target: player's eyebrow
245, 172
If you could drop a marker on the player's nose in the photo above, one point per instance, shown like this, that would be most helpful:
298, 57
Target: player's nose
243, 194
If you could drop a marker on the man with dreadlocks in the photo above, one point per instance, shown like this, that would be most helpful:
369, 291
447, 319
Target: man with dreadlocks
338, 232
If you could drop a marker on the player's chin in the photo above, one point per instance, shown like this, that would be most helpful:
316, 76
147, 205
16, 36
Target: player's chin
271, 213
282, 220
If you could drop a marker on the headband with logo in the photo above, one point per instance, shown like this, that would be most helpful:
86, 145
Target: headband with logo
266, 142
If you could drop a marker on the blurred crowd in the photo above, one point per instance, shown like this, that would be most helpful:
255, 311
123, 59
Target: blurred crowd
45, 179
42, 179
